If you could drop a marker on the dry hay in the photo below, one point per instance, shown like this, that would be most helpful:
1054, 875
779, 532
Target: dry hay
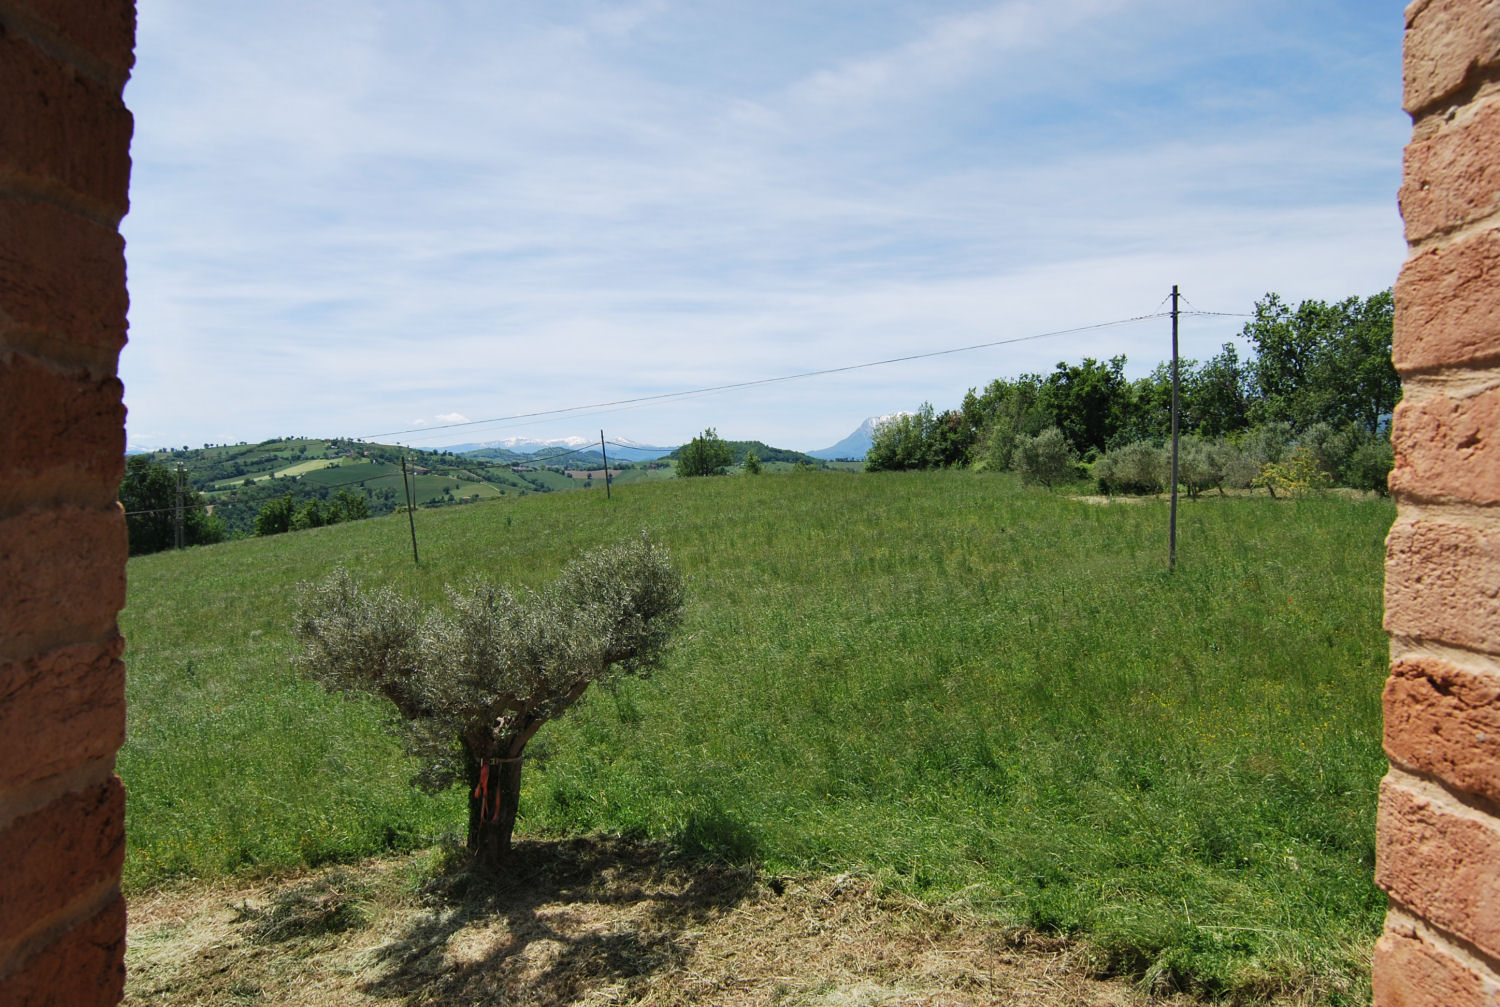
588, 922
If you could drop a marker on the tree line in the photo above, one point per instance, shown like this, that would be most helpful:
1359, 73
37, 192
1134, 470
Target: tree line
1312, 403
149, 494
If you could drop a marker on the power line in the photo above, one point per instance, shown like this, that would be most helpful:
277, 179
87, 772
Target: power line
768, 381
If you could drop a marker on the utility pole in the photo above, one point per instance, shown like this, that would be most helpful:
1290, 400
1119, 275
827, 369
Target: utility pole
177, 512
409, 518
1172, 534
606, 464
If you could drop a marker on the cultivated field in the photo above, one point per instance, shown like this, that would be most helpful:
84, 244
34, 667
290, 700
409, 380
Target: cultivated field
987, 698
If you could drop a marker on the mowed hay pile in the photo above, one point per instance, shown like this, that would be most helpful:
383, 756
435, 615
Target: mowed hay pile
588, 922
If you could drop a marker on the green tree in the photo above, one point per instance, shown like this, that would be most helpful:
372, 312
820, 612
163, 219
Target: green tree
1323, 362
310, 515
1089, 402
350, 506
905, 441
1219, 394
276, 516
705, 455
149, 495
474, 682
751, 464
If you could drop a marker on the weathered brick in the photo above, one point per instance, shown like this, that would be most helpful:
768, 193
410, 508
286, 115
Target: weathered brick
1452, 177
1410, 972
1445, 720
1448, 305
60, 710
84, 968
59, 853
1448, 43
47, 407
62, 577
63, 130
105, 28
1448, 448
62, 275
1442, 861
1442, 582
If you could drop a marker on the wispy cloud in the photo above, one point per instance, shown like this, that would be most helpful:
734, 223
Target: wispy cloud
405, 210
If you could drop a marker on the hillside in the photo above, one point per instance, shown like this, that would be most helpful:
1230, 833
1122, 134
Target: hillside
236, 481
983, 696
763, 451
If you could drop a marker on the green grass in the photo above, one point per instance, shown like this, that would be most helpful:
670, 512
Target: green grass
985, 694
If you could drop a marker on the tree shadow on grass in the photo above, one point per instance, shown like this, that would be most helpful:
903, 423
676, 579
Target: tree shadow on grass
560, 919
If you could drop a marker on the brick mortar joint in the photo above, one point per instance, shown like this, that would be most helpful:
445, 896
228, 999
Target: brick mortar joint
1449, 236
1464, 951
1412, 509
1449, 798
1479, 82
16, 954
100, 362
1475, 662
1455, 383
19, 802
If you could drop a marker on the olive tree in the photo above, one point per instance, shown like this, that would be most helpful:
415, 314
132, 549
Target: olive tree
1047, 458
474, 681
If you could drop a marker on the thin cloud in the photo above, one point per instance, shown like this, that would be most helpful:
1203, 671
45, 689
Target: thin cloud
338, 229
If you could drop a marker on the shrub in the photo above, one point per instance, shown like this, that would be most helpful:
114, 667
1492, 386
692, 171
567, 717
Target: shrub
997, 445
1199, 467
1137, 468
1298, 475
1267, 443
1237, 469
1046, 458
1370, 465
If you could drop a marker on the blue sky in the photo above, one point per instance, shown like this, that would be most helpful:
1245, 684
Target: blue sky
355, 218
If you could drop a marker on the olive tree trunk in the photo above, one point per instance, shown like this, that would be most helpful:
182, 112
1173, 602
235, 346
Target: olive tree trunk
494, 799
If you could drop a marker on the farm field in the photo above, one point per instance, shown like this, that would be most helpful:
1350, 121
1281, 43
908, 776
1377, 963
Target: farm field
985, 697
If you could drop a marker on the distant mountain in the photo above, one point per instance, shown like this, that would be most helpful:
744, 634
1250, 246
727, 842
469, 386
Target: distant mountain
857, 444
519, 445
524, 449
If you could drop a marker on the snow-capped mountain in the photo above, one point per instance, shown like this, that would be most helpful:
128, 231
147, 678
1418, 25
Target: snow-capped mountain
621, 449
857, 444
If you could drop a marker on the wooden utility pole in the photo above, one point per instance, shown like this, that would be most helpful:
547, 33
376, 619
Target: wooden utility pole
177, 512
606, 464
1172, 533
410, 519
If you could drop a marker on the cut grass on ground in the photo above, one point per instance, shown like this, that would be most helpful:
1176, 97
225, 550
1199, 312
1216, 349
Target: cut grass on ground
590, 922
981, 695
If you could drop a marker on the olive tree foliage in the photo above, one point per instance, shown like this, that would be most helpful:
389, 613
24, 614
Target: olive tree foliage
1047, 458
1136, 468
475, 680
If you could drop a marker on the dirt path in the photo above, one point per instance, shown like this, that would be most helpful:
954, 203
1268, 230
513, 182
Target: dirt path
587, 922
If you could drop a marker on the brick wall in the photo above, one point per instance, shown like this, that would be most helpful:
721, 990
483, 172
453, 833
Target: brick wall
1438, 852
64, 175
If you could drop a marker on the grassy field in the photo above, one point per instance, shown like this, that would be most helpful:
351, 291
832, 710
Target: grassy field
983, 694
